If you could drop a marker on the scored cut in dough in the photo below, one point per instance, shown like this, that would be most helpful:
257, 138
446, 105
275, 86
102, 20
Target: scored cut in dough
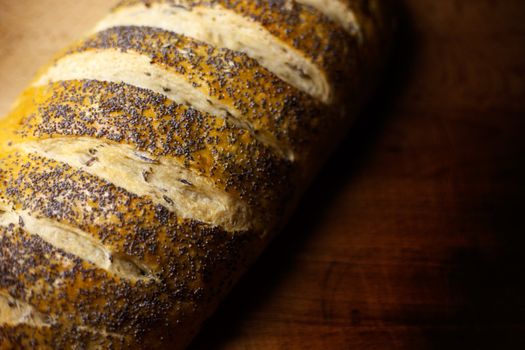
14, 312
132, 68
75, 242
151, 163
338, 11
220, 27
163, 180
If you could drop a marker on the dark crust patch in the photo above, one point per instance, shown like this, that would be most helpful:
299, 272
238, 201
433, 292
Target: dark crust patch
120, 113
376, 29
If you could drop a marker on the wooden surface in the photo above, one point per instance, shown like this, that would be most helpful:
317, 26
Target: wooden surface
413, 236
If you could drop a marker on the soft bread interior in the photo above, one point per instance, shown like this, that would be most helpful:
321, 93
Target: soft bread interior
338, 11
220, 27
14, 312
163, 180
75, 242
135, 69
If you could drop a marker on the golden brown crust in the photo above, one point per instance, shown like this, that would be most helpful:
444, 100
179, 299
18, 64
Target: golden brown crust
127, 225
304, 28
123, 114
272, 108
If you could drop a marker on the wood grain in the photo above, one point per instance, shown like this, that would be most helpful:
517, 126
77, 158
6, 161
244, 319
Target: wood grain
32, 31
412, 237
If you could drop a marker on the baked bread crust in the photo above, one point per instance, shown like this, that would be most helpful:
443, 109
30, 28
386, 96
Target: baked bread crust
150, 163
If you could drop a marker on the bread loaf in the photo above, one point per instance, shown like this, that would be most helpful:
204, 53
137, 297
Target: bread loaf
151, 162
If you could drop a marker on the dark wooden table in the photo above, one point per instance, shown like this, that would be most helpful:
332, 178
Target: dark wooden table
413, 237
